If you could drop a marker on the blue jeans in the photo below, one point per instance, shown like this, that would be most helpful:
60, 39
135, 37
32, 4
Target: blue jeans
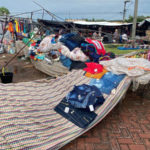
84, 95
79, 117
108, 82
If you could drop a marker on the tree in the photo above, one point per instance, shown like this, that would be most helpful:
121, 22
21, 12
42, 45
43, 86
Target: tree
4, 11
139, 18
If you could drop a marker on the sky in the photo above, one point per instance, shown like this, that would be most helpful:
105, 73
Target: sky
78, 9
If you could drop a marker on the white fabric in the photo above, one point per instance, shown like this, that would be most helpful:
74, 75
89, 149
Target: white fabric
76, 54
138, 75
7, 38
144, 79
46, 45
121, 65
125, 37
1, 28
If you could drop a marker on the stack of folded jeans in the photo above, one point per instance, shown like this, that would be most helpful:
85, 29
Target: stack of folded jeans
79, 117
84, 96
79, 105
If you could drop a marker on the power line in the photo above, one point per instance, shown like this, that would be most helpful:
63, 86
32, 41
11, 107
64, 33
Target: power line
25, 13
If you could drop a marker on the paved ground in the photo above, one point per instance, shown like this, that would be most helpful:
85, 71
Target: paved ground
126, 127
23, 69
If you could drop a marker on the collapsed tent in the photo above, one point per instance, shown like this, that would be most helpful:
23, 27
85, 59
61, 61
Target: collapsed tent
28, 119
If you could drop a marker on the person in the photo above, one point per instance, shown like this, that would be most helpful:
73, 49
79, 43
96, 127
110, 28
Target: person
99, 32
116, 35
95, 35
124, 37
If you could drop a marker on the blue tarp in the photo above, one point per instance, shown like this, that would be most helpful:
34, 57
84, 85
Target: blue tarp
125, 48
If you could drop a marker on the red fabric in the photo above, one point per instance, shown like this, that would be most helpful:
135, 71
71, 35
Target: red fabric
33, 44
98, 45
93, 68
10, 27
31, 57
21, 26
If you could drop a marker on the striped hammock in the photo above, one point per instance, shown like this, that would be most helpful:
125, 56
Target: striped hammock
54, 70
28, 119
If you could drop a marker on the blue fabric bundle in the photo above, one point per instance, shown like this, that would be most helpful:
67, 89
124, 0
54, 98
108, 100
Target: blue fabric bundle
90, 51
108, 82
67, 40
65, 61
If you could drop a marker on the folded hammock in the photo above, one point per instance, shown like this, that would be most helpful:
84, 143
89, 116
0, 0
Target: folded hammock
54, 70
28, 119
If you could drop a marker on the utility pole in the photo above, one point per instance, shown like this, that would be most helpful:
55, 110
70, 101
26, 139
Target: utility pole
31, 21
134, 20
31, 15
43, 14
124, 10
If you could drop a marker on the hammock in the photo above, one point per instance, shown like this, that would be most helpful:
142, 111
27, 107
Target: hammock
54, 70
28, 119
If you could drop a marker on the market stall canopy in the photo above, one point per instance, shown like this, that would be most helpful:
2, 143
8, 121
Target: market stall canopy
81, 22
146, 21
101, 23
55, 23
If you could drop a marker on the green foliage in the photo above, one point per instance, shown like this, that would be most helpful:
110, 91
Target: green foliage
113, 48
139, 18
130, 19
4, 11
95, 20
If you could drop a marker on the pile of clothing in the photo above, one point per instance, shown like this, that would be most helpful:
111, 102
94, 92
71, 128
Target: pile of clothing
94, 70
80, 104
72, 50
145, 55
20, 28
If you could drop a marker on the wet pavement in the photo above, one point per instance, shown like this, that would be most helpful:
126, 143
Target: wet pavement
126, 127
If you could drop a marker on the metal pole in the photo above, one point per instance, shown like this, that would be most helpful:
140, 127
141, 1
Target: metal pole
43, 14
134, 20
124, 11
31, 15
